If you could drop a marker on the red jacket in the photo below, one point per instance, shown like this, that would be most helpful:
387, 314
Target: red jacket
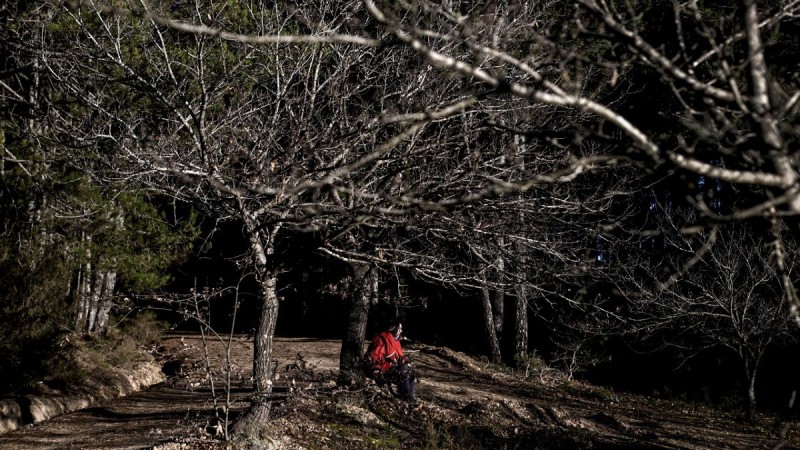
385, 351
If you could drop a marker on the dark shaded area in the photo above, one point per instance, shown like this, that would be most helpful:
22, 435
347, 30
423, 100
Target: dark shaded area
780, 380
713, 377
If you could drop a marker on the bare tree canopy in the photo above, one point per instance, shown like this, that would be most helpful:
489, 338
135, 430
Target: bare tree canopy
517, 153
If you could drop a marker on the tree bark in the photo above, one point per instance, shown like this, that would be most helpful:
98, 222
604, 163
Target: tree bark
251, 423
94, 300
499, 300
521, 324
750, 393
83, 292
352, 352
751, 372
106, 301
491, 332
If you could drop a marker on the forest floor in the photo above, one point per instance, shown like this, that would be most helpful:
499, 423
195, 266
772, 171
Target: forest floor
464, 403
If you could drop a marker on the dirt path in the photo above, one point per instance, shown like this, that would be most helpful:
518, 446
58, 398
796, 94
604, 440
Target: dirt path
178, 410
607, 419
464, 404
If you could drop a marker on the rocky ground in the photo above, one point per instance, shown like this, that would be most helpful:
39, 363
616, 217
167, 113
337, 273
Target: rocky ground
464, 404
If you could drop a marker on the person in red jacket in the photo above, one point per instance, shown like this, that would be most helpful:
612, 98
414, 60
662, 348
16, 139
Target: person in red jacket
385, 356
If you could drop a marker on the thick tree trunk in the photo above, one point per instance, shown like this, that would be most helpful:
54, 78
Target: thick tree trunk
252, 421
94, 294
98, 302
521, 324
491, 331
106, 301
94, 300
350, 359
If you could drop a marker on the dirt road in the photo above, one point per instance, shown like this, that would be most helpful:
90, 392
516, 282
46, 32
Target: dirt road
177, 410
464, 404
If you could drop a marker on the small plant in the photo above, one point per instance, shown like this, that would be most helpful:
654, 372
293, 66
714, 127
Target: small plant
63, 370
144, 328
529, 364
459, 437
432, 437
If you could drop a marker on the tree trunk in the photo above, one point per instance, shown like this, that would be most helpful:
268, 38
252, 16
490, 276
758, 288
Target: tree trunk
252, 421
94, 300
2, 152
491, 331
751, 371
83, 292
521, 324
106, 301
352, 352
499, 301
106, 295
750, 394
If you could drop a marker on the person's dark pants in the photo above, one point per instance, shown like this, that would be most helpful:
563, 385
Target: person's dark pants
407, 388
407, 382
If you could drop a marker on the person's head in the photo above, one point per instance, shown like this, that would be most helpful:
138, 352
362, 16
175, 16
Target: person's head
396, 328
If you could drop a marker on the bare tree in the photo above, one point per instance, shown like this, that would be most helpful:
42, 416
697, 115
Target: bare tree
739, 134
731, 299
277, 139
230, 127
446, 176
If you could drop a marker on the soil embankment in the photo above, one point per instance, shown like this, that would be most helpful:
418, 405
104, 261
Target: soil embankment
15, 413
